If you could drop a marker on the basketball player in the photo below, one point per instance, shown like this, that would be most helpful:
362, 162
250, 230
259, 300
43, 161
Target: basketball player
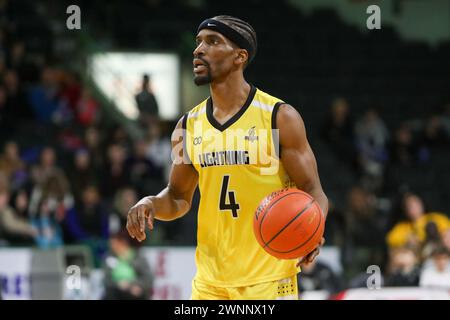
230, 262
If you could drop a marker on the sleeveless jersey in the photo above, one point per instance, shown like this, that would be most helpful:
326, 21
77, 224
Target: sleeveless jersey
238, 165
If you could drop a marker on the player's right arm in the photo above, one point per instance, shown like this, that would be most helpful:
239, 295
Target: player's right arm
172, 202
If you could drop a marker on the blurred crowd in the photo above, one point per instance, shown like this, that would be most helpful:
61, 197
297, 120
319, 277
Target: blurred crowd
383, 222
66, 177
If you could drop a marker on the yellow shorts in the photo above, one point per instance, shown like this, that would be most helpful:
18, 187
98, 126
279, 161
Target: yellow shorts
284, 289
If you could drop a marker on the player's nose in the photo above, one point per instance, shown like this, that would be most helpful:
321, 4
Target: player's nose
199, 50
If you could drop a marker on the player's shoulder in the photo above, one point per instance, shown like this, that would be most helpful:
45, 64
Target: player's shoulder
198, 110
266, 100
193, 113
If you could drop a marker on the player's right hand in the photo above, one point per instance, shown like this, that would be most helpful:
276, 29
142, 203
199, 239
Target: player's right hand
141, 211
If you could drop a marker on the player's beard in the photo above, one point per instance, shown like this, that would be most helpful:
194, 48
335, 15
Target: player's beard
202, 80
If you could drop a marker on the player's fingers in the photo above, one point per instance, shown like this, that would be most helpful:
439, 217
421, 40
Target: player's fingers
130, 232
141, 218
310, 257
130, 228
300, 261
134, 224
150, 219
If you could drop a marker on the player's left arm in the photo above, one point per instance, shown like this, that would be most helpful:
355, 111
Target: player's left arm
298, 159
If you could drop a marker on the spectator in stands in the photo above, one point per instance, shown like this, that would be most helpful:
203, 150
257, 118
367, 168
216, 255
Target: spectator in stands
319, 276
120, 136
433, 136
115, 174
337, 130
146, 102
127, 273
13, 228
83, 173
20, 201
44, 97
49, 203
87, 109
93, 142
437, 274
124, 199
365, 227
159, 150
144, 175
71, 89
47, 166
412, 231
402, 149
17, 106
371, 138
87, 222
404, 268
12, 165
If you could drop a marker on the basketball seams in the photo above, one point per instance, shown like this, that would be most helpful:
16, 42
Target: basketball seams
266, 209
306, 241
306, 208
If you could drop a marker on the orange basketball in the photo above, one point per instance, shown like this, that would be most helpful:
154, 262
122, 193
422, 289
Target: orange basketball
289, 224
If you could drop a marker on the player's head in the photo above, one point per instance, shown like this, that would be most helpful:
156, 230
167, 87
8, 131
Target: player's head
225, 44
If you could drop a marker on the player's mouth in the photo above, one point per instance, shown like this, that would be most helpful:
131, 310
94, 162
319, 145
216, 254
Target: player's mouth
199, 65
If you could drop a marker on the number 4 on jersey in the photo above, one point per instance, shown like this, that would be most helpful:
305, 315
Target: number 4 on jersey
232, 205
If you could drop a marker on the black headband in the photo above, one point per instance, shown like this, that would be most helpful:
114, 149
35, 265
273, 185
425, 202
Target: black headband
230, 33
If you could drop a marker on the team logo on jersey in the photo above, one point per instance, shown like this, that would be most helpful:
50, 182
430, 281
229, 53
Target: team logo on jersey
251, 135
197, 140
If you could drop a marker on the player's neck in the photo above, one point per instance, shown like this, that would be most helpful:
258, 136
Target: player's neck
231, 94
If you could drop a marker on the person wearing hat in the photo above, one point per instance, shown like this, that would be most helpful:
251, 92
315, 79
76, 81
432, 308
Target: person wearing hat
230, 146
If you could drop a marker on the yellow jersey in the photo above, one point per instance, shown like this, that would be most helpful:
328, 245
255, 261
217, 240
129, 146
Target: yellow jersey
238, 165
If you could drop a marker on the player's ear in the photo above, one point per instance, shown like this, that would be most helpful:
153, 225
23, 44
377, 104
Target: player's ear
241, 56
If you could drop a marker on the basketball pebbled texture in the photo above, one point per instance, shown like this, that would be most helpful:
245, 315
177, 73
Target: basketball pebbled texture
288, 224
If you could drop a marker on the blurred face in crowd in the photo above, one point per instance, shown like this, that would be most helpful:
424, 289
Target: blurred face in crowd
140, 148
371, 116
214, 57
18, 50
92, 137
21, 202
403, 135
48, 157
12, 151
118, 246
90, 196
414, 208
48, 77
441, 261
116, 154
403, 260
11, 81
433, 127
339, 110
359, 202
82, 160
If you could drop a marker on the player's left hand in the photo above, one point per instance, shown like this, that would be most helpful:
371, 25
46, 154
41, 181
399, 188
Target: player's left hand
311, 256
